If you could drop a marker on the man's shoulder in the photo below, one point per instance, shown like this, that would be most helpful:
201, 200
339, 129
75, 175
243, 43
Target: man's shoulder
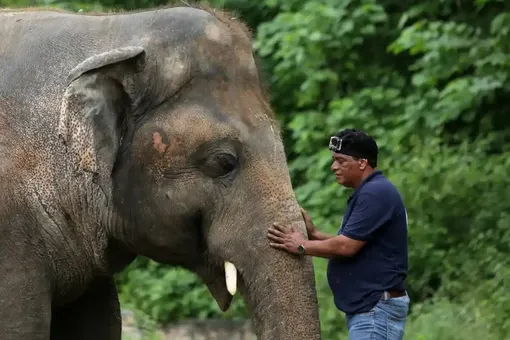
381, 188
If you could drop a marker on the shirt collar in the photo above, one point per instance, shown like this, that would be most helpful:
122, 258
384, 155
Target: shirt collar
370, 177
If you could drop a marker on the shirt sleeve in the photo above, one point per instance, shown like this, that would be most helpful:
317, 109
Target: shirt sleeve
369, 213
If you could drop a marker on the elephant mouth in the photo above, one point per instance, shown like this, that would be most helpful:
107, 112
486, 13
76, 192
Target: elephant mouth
222, 282
221, 276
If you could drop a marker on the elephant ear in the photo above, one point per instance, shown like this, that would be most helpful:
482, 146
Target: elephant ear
101, 92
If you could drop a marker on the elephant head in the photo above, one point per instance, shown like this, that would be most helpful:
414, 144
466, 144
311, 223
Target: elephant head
177, 133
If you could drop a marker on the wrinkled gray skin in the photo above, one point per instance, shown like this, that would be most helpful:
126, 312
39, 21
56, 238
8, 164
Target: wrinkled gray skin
138, 134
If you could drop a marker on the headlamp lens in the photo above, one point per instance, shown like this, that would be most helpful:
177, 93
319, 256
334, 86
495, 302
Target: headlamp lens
335, 144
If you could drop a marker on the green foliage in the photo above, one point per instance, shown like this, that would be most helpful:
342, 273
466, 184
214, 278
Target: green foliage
450, 321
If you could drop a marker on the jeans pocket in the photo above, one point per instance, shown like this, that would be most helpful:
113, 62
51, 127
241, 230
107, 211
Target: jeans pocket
395, 309
361, 320
350, 317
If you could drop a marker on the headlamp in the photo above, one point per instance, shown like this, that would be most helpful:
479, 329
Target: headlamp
335, 144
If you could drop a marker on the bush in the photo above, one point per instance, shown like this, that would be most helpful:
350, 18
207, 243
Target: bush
441, 319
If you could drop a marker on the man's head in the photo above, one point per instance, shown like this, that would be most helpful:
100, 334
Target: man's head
354, 156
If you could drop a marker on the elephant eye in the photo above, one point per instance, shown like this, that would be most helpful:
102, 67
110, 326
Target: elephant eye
226, 162
219, 164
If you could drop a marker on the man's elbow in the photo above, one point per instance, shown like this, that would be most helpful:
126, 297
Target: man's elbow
346, 247
349, 251
344, 251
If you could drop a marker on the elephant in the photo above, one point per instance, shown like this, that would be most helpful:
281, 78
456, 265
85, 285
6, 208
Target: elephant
140, 133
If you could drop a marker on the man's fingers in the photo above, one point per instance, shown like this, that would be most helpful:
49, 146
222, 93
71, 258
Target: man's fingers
277, 246
275, 238
275, 232
279, 227
280, 230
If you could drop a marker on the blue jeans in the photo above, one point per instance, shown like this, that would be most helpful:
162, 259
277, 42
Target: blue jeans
386, 321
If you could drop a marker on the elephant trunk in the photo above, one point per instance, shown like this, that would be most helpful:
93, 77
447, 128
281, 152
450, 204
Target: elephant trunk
283, 299
278, 287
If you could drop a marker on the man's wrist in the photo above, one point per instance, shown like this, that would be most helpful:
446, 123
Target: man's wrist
302, 249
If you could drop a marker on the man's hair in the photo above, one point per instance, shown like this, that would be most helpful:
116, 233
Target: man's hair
359, 145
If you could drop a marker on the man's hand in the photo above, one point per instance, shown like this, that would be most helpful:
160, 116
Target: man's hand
310, 227
284, 238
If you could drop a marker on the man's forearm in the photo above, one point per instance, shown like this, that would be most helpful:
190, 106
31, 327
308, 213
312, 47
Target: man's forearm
327, 248
319, 235
338, 245
319, 248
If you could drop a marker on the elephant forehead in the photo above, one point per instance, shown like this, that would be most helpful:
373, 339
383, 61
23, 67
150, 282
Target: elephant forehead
217, 57
197, 124
235, 47
227, 47
215, 33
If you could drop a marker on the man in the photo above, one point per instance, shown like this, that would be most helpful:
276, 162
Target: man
367, 266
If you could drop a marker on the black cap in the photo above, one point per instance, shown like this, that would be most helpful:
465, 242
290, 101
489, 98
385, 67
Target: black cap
355, 143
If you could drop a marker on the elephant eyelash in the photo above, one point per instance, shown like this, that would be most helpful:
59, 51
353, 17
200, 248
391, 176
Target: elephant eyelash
183, 173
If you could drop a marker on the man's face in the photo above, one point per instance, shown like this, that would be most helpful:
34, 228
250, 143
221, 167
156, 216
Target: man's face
348, 171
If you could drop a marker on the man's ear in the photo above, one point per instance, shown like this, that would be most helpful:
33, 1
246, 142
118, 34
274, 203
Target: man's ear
100, 94
363, 163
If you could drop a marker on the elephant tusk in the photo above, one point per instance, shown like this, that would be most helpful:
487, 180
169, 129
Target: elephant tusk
231, 277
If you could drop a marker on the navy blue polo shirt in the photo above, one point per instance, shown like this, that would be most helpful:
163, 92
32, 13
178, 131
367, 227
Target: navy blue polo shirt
376, 214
